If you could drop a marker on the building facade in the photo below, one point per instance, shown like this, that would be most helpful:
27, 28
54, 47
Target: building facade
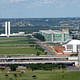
55, 36
72, 46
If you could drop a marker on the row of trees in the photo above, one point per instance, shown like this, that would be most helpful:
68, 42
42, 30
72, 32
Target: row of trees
39, 36
46, 66
13, 67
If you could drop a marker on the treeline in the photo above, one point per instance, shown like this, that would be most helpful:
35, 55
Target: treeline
46, 66
39, 36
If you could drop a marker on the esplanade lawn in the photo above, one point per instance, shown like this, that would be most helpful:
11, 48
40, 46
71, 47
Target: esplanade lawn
18, 45
41, 76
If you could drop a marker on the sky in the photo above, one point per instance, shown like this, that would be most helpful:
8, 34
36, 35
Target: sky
39, 8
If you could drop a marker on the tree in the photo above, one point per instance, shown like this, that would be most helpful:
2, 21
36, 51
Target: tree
13, 67
39, 36
34, 76
38, 53
45, 53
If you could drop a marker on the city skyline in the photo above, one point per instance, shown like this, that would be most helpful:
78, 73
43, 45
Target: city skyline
39, 8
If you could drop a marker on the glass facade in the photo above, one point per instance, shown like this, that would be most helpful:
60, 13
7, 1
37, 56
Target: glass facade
48, 37
78, 47
57, 37
66, 36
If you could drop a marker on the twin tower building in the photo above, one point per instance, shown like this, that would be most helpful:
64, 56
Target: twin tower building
7, 28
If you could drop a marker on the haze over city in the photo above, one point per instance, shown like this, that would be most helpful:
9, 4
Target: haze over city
39, 8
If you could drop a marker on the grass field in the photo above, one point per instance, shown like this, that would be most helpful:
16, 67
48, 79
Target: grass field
18, 45
42, 76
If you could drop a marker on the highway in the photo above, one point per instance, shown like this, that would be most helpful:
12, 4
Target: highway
37, 60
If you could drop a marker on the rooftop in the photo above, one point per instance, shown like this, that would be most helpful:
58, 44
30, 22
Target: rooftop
76, 42
51, 31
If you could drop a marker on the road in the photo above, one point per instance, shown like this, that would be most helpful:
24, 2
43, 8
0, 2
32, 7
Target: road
38, 62
37, 59
42, 46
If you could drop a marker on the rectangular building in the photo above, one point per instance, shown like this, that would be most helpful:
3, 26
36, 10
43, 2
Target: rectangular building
55, 36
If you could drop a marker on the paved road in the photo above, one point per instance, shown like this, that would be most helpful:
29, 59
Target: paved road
42, 46
37, 62
71, 68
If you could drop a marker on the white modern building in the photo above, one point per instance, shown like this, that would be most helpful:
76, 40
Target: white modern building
8, 31
7, 28
72, 46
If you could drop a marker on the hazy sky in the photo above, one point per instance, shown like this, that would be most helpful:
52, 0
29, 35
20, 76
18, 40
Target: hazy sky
39, 8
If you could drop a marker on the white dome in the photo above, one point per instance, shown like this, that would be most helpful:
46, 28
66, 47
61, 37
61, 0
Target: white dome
76, 42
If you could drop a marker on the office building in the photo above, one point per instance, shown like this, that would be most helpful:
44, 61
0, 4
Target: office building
55, 35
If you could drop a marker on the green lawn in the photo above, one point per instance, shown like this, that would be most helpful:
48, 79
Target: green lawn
18, 45
42, 76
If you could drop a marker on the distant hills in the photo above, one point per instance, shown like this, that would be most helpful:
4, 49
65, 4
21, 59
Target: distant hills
30, 25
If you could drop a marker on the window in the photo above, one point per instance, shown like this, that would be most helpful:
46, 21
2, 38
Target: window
78, 47
69, 47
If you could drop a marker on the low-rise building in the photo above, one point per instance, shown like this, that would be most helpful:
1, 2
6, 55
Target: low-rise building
72, 46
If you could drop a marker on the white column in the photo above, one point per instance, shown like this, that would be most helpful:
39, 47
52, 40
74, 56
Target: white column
6, 28
63, 37
52, 37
